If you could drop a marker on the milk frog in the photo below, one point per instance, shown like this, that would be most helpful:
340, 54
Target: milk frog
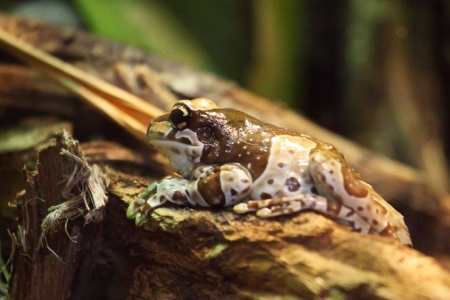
227, 158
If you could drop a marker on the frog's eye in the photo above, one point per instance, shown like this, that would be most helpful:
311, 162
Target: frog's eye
180, 117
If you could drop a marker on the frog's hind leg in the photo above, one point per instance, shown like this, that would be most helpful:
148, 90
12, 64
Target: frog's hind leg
335, 180
288, 205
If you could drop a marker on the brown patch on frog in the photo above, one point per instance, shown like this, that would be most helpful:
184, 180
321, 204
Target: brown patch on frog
352, 183
322, 178
388, 231
175, 150
270, 181
235, 138
350, 213
145, 208
179, 197
292, 184
333, 208
314, 190
281, 165
264, 196
206, 135
233, 192
211, 190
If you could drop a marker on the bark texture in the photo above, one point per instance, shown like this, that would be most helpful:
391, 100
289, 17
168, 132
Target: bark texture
181, 253
59, 231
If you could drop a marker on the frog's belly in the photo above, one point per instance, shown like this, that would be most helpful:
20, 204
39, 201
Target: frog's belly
287, 172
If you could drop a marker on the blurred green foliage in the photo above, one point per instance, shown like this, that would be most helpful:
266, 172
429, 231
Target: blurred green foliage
148, 24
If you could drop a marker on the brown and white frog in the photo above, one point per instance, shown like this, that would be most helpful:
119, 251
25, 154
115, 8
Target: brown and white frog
228, 158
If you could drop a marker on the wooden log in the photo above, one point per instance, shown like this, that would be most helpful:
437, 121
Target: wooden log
194, 254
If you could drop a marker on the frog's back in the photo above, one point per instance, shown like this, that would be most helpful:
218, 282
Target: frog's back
276, 157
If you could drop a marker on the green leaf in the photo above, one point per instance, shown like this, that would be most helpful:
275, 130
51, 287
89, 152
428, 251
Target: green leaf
147, 24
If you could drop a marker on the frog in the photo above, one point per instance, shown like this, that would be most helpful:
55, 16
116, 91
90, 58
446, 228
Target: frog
223, 157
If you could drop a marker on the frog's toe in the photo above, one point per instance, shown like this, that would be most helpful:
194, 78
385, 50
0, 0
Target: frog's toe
264, 213
140, 219
149, 191
132, 210
241, 208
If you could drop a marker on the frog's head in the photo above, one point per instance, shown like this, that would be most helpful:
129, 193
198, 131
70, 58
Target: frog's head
196, 131
179, 135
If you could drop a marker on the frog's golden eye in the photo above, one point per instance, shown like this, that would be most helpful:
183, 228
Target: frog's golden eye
180, 117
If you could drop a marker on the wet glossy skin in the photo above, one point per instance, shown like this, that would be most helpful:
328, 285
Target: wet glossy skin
227, 158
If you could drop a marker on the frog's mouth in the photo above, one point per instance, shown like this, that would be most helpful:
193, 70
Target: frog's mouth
182, 147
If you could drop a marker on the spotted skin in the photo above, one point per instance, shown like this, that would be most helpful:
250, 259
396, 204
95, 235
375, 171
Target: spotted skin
228, 158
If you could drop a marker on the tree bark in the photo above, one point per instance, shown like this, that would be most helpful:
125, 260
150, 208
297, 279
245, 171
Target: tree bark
59, 231
193, 254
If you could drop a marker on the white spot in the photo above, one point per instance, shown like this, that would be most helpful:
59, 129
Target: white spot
321, 204
240, 208
252, 127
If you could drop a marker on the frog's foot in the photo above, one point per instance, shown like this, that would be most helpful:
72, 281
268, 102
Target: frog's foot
288, 205
146, 201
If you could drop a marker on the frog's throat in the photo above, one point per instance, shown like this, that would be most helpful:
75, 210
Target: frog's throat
182, 156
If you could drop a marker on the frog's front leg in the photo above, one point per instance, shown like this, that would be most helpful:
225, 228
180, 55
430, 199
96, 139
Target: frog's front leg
210, 186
